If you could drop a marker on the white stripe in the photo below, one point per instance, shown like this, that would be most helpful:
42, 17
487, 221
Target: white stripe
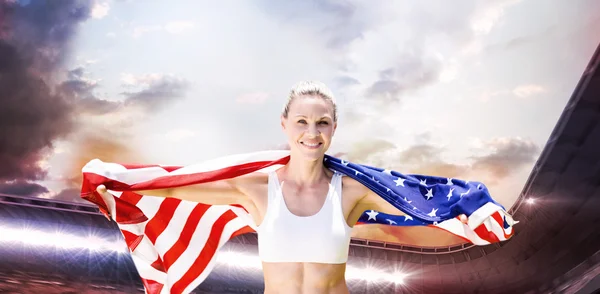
145, 250
230, 228
482, 213
172, 232
245, 217
120, 173
474, 238
110, 205
456, 227
497, 229
146, 270
197, 243
149, 205
136, 229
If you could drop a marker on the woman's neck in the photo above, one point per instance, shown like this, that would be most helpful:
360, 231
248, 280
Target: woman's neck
303, 171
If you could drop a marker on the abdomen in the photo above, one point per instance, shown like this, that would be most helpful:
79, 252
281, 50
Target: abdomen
301, 278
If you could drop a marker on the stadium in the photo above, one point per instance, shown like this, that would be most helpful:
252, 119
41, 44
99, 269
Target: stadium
502, 91
49, 246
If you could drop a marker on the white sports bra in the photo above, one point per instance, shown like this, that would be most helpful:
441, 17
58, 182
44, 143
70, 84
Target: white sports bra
321, 238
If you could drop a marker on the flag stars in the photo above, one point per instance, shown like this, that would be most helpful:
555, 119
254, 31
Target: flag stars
465, 193
345, 163
407, 217
429, 193
423, 182
387, 171
450, 193
372, 215
399, 182
449, 182
391, 221
433, 212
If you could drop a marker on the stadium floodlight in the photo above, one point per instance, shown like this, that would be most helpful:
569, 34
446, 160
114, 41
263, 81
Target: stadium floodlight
60, 240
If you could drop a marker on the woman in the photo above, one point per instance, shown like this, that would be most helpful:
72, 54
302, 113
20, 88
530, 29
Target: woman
304, 212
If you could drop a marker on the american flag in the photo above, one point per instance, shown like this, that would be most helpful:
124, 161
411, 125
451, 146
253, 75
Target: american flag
173, 242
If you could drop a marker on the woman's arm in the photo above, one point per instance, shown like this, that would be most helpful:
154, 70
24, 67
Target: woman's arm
372, 201
223, 192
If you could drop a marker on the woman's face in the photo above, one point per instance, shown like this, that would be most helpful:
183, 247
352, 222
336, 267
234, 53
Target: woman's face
309, 126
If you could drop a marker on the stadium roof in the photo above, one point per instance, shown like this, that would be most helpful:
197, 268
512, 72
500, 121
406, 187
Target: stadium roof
556, 245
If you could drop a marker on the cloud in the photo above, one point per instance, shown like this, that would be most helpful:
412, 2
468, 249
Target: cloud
506, 156
22, 188
252, 98
499, 158
81, 91
178, 27
31, 189
524, 91
336, 22
34, 42
39, 108
142, 30
345, 81
154, 90
100, 10
173, 27
178, 135
410, 73
488, 16
68, 195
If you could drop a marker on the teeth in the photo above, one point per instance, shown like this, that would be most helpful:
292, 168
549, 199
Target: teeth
311, 145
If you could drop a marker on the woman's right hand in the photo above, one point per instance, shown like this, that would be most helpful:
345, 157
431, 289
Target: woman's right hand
101, 189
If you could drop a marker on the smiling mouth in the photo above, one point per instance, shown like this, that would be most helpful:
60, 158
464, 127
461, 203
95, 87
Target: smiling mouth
311, 145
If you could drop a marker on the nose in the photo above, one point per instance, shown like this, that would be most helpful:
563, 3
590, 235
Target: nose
313, 130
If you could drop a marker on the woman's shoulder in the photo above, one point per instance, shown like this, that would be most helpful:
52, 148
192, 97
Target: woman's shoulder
256, 178
352, 185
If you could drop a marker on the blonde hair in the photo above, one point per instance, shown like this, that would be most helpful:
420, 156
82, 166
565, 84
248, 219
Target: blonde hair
310, 88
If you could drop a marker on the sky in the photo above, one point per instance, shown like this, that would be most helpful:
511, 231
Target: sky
469, 90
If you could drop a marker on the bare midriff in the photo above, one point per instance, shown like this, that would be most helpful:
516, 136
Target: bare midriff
304, 278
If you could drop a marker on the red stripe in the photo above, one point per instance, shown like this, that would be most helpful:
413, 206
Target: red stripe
484, 234
244, 230
131, 197
137, 166
161, 219
498, 218
158, 265
207, 253
131, 239
127, 213
186, 235
210, 176
152, 287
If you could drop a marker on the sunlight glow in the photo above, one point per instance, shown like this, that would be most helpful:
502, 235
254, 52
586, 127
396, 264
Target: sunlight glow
58, 240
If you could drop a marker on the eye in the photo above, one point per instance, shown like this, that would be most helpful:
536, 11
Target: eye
301, 121
323, 123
